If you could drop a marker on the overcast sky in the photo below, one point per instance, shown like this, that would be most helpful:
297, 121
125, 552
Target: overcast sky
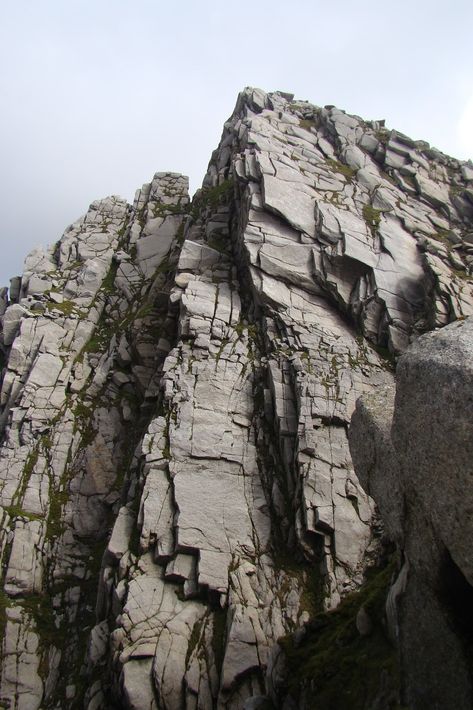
97, 95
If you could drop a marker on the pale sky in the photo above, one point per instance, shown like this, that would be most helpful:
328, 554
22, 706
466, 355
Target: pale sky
98, 95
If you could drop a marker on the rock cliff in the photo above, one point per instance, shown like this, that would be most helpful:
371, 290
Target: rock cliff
177, 492
413, 447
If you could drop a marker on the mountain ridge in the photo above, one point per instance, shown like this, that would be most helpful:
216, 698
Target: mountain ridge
178, 492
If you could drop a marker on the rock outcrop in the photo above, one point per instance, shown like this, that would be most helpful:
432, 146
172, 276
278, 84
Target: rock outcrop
177, 491
412, 447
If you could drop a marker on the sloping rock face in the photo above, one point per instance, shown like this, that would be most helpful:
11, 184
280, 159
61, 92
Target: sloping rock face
412, 447
177, 487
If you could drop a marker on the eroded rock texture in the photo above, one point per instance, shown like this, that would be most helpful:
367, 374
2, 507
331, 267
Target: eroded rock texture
412, 447
177, 488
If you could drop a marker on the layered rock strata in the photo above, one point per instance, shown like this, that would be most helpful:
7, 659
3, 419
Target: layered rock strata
412, 447
177, 487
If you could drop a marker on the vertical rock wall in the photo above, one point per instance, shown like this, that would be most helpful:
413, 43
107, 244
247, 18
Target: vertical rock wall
83, 352
178, 491
412, 446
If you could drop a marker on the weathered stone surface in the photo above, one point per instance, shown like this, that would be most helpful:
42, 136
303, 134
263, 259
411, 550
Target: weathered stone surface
65, 443
11, 322
20, 679
375, 458
413, 455
178, 382
432, 434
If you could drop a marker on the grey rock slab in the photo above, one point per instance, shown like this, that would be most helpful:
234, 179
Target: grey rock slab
11, 322
38, 285
354, 157
38, 261
25, 568
181, 568
346, 127
36, 497
88, 280
21, 684
401, 246
394, 160
435, 193
413, 454
295, 205
172, 651
467, 172
156, 515
384, 199
327, 221
292, 263
3, 299
438, 456
98, 642
326, 147
369, 177
46, 370
156, 241
137, 684
196, 257
15, 289
214, 516
374, 457
121, 533
369, 142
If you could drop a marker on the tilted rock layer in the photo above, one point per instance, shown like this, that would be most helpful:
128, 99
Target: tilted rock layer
177, 489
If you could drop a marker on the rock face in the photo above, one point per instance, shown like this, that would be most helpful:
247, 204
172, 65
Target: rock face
412, 448
177, 491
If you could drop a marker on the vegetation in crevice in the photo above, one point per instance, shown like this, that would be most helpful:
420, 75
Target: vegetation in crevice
219, 636
338, 167
212, 197
372, 218
307, 123
108, 284
67, 308
164, 209
219, 241
334, 666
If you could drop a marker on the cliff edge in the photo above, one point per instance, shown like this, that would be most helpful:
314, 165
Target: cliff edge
176, 487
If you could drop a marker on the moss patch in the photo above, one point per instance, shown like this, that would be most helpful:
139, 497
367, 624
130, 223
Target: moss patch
68, 308
30, 464
108, 284
335, 668
16, 511
212, 197
54, 524
307, 123
309, 580
372, 218
5, 602
341, 168
162, 209
219, 242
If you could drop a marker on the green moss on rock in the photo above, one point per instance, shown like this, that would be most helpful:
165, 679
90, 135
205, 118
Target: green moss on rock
372, 217
341, 168
334, 667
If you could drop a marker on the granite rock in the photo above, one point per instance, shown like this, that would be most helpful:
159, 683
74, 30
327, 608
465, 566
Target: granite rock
412, 450
178, 379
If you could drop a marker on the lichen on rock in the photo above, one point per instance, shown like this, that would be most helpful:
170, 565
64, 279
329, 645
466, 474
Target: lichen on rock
178, 377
